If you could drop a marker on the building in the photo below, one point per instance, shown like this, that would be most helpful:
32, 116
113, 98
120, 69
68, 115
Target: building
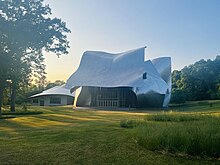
52, 97
121, 80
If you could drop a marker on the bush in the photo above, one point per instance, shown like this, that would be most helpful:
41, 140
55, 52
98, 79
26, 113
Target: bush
22, 113
198, 137
130, 123
127, 123
6, 117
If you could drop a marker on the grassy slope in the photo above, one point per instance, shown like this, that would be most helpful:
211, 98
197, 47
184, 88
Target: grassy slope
63, 136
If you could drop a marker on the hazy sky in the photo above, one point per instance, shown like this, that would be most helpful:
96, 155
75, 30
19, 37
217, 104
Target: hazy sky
186, 30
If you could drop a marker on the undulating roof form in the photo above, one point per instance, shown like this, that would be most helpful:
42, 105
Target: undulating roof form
57, 90
146, 78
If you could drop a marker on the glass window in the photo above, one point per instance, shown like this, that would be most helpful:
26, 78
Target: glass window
55, 100
145, 75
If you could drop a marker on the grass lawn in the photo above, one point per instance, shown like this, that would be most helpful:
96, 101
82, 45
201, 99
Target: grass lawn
61, 135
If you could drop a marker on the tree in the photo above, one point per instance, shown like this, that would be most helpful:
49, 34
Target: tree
53, 84
199, 81
5, 63
28, 31
178, 96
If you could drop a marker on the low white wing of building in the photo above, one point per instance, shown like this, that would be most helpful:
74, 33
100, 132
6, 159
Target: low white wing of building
57, 95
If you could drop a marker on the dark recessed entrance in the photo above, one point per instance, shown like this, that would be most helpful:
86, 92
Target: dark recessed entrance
108, 97
112, 97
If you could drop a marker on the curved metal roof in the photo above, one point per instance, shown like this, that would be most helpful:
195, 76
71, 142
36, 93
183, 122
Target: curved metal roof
126, 69
57, 90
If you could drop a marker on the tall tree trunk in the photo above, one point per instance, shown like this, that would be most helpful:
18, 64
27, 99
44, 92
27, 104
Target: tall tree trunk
13, 97
2, 87
1, 99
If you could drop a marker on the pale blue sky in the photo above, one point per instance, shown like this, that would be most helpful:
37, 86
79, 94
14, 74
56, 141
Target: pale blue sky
186, 30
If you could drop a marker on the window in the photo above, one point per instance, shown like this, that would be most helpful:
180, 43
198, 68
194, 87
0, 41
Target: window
35, 101
145, 75
55, 100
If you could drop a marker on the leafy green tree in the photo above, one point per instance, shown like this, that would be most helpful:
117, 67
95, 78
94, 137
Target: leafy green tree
178, 96
199, 81
28, 30
53, 84
5, 63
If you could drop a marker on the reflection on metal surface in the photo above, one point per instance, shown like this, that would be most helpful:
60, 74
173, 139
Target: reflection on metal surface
77, 92
122, 80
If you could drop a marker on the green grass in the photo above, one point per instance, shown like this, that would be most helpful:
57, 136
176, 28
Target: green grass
174, 117
185, 135
61, 135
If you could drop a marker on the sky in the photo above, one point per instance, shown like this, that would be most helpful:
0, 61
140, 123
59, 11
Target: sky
185, 30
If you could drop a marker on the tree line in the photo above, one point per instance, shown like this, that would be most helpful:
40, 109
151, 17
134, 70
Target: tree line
26, 32
199, 81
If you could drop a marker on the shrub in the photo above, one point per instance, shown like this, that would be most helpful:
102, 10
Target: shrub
6, 117
130, 123
127, 123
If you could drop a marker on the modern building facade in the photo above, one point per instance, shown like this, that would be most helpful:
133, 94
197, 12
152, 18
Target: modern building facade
121, 80
53, 97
